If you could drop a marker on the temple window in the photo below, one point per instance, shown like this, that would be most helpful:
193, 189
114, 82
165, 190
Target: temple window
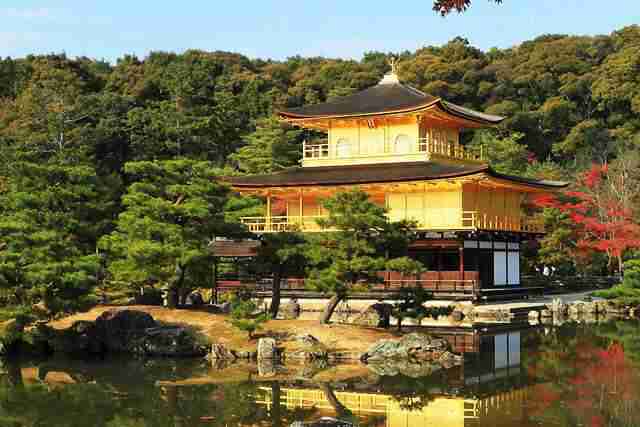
402, 144
343, 148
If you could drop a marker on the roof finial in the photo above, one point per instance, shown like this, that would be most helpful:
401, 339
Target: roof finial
391, 77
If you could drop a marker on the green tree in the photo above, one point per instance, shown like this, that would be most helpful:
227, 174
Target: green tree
354, 251
273, 146
245, 316
280, 255
505, 154
47, 235
172, 211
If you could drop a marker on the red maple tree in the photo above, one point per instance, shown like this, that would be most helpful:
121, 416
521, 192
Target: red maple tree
602, 221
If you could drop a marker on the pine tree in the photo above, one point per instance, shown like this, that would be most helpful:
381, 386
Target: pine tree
273, 146
172, 211
352, 256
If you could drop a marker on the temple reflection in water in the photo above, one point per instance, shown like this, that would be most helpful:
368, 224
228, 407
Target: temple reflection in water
489, 389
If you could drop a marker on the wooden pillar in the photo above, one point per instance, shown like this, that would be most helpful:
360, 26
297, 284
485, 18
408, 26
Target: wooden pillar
439, 259
268, 215
301, 207
461, 252
214, 287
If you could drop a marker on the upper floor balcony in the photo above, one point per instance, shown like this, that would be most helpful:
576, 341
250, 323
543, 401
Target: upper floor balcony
430, 221
401, 149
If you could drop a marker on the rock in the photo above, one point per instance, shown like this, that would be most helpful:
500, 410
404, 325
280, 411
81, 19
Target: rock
601, 307
307, 339
266, 368
311, 349
41, 310
457, 316
576, 308
220, 352
558, 307
289, 310
194, 299
415, 346
534, 315
546, 314
116, 328
267, 349
148, 296
224, 308
590, 307
247, 355
170, 341
377, 315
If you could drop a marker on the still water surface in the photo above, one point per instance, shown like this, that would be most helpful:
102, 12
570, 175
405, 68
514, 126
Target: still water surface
569, 375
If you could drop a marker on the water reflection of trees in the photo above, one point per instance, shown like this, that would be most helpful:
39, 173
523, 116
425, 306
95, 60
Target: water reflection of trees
588, 374
575, 374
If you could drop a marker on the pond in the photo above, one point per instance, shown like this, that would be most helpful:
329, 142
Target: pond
575, 374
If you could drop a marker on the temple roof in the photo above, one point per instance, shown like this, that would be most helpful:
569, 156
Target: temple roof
378, 173
390, 96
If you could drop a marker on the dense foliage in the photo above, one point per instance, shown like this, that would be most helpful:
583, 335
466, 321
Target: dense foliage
71, 130
359, 243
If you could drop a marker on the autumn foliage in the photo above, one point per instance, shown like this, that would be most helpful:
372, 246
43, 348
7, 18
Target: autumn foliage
602, 222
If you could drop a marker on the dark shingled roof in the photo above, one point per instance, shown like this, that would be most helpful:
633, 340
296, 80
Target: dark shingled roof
384, 98
374, 173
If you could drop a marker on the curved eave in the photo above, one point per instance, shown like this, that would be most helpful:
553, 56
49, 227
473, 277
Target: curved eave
330, 183
545, 185
454, 110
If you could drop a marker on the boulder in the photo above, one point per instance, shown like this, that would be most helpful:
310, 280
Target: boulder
194, 299
116, 328
289, 310
457, 316
558, 307
546, 313
412, 346
377, 315
534, 315
311, 349
576, 309
267, 349
590, 307
148, 296
307, 339
220, 352
170, 341
224, 308
601, 307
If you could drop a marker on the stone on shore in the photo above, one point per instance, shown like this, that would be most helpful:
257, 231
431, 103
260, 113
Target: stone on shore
377, 315
267, 349
415, 346
289, 310
220, 352
166, 341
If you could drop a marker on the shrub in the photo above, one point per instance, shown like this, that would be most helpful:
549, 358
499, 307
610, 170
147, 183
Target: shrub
628, 291
246, 317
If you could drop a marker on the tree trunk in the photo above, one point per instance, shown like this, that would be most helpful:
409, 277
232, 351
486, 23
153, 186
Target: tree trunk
330, 308
276, 416
275, 292
175, 287
14, 373
338, 407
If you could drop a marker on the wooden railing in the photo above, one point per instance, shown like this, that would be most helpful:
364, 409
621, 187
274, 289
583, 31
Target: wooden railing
467, 286
448, 149
468, 220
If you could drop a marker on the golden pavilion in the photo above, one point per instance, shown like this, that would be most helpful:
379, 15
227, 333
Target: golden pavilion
402, 147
